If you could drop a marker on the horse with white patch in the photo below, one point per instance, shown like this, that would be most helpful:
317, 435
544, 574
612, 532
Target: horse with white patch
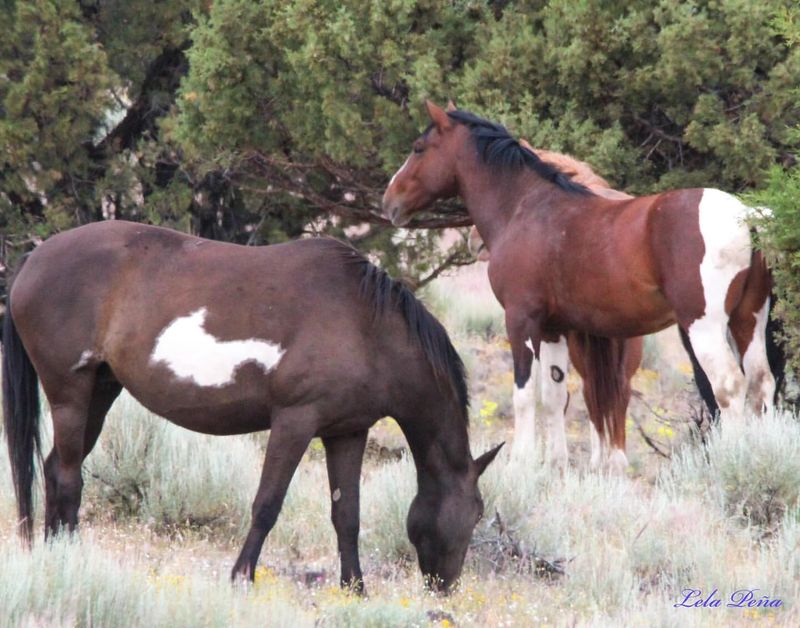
607, 395
564, 258
305, 338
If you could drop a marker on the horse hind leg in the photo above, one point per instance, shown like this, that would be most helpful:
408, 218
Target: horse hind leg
724, 269
78, 419
710, 343
749, 334
748, 328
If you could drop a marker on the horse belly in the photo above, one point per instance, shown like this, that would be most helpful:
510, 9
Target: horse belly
631, 313
238, 408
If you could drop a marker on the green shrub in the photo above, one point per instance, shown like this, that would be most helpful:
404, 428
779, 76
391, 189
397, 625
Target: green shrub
778, 229
386, 498
750, 469
146, 467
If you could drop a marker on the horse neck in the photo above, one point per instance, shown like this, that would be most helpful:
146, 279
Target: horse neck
439, 443
492, 196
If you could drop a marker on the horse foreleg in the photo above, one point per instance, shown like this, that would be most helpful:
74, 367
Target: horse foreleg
553, 373
343, 456
291, 432
522, 334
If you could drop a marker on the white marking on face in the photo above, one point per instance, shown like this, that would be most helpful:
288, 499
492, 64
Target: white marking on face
337, 495
403, 167
193, 354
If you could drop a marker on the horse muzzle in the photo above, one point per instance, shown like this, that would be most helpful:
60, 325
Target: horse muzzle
393, 210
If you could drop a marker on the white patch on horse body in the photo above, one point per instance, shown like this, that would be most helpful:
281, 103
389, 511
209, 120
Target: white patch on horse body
84, 360
337, 495
191, 353
727, 252
727, 241
405, 163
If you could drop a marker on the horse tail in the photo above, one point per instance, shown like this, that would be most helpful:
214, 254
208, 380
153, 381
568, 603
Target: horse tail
20, 419
700, 378
385, 293
605, 384
776, 354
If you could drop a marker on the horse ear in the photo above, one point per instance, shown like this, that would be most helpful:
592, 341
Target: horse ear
438, 115
451, 106
484, 459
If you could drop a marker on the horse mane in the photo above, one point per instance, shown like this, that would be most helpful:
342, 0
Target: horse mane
580, 172
496, 147
575, 169
384, 294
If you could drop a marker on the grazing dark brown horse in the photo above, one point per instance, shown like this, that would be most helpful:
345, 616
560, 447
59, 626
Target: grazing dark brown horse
606, 414
305, 339
564, 258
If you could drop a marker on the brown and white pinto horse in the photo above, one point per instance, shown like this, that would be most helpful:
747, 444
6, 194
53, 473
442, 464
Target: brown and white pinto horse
564, 258
607, 416
305, 339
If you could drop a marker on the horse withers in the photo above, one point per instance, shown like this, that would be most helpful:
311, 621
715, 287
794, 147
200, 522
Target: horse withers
564, 258
305, 339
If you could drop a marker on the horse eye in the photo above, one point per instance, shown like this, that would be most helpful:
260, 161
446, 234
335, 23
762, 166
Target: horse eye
419, 148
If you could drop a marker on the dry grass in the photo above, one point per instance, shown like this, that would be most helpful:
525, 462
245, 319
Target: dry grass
581, 549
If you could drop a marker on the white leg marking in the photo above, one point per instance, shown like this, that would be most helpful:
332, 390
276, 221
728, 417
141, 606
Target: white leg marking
760, 382
617, 461
191, 353
599, 447
525, 415
555, 363
727, 252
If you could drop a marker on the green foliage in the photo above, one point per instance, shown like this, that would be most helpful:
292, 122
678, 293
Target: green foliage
164, 475
737, 471
778, 225
54, 94
260, 121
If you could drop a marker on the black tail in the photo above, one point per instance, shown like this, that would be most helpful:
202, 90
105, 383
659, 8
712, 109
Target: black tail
604, 386
776, 356
20, 419
700, 378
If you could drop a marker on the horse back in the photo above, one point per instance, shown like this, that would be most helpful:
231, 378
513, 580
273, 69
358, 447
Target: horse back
211, 335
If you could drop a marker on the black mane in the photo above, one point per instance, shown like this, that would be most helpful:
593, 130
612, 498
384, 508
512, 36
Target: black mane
384, 293
496, 147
